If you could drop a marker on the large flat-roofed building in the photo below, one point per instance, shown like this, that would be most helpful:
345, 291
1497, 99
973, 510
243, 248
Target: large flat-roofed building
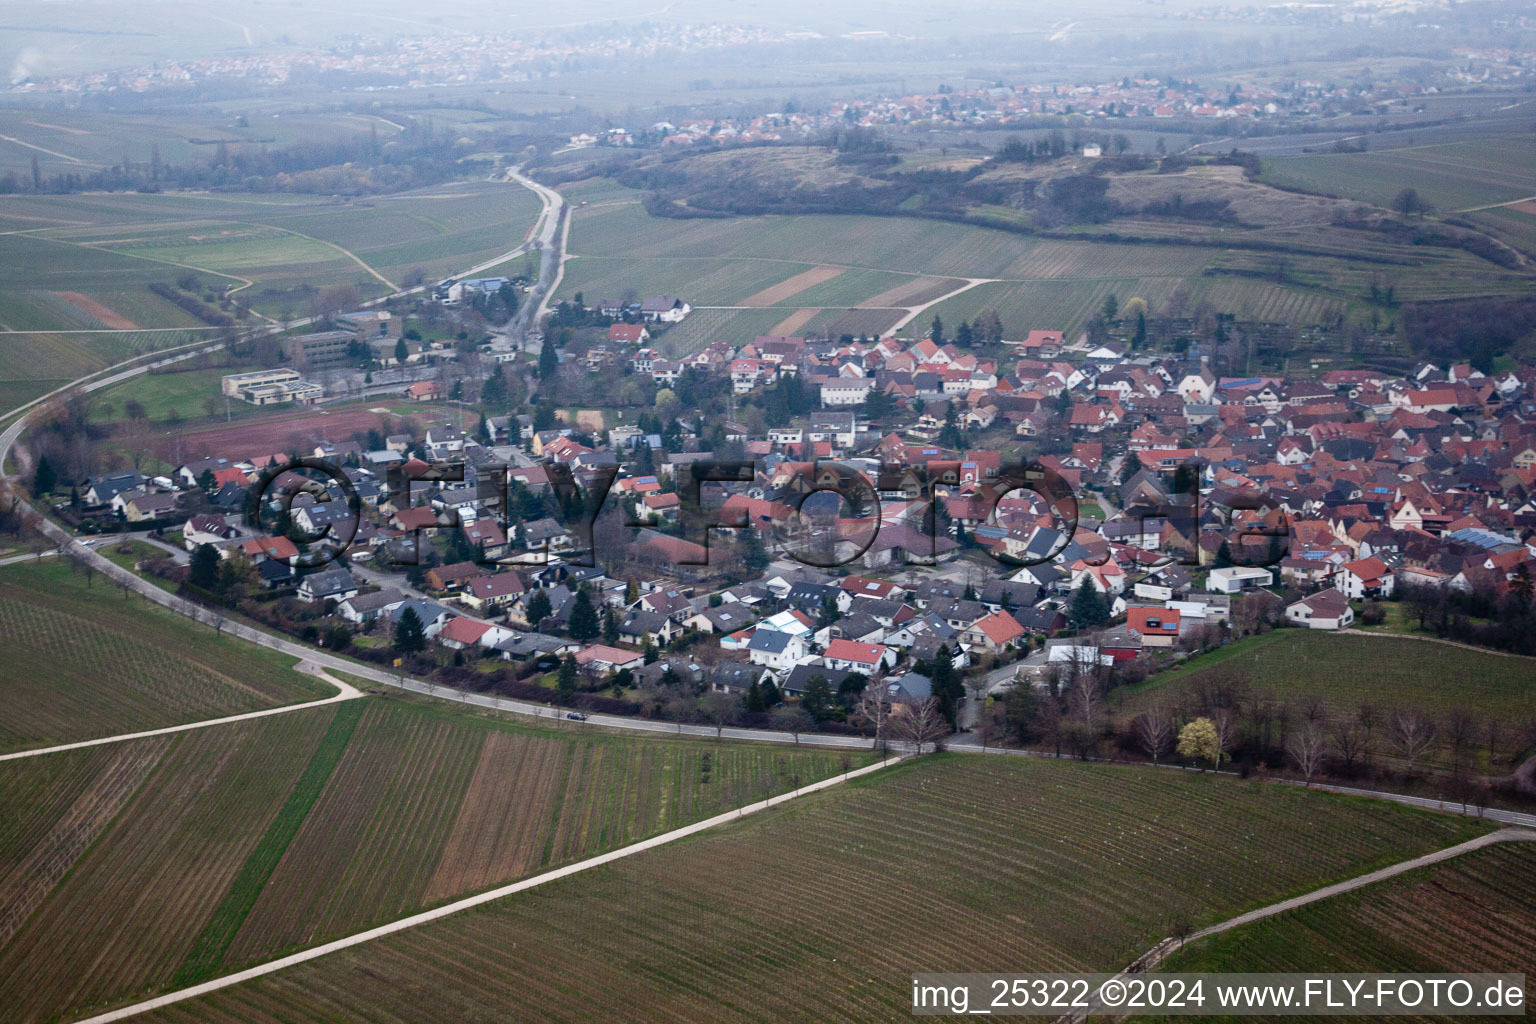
323, 348
271, 387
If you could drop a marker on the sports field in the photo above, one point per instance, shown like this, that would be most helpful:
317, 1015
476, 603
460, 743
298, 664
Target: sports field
823, 909
86, 661
235, 844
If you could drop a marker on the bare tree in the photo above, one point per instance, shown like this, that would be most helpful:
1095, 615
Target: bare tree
922, 723
1368, 719
1226, 729
1307, 747
1460, 732
679, 709
1349, 741
721, 710
1154, 731
793, 719
874, 710
1412, 734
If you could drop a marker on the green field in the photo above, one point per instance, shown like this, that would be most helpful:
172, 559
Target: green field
234, 844
86, 661
90, 139
1453, 175
1033, 282
1476, 913
823, 909
1343, 672
162, 394
110, 247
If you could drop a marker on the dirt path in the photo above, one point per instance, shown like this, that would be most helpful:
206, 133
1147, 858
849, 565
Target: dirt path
344, 691
416, 920
354, 257
1154, 956
913, 312
1436, 640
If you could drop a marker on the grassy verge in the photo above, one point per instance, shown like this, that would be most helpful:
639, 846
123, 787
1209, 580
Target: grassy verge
207, 953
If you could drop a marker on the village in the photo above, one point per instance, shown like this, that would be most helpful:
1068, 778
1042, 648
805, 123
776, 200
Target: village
633, 568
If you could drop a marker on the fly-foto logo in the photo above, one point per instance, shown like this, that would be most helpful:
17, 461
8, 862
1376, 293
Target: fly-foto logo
1031, 509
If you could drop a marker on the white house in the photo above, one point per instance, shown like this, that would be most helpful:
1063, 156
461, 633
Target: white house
1327, 609
777, 651
1367, 577
1237, 578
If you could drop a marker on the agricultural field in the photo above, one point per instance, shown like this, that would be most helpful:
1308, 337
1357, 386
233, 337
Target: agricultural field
856, 274
32, 364
86, 661
80, 140
86, 261
131, 905
825, 907
1343, 672
330, 820
1453, 176
1476, 913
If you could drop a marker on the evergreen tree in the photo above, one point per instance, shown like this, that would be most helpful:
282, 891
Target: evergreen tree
610, 628
1139, 339
410, 635
753, 554
1130, 466
1223, 556
772, 698
964, 335
584, 624
538, 608
45, 479
936, 330
204, 572
817, 699
567, 678
402, 351
755, 698
1088, 607
1021, 710
549, 362
947, 688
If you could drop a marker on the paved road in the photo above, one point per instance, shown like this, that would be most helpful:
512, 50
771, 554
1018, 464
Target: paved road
344, 691
416, 920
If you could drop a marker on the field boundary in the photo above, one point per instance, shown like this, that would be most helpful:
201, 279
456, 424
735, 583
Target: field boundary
1436, 640
468, 903
212, 944
344, 691
1158, 953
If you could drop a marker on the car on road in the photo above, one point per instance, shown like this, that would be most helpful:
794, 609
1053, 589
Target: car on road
576, 716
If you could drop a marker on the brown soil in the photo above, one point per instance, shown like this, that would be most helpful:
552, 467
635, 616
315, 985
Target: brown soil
792, 286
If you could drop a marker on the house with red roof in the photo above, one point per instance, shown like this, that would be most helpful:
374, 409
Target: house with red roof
993, 632
852, 656
1367, 577
1157, 627
630, 334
